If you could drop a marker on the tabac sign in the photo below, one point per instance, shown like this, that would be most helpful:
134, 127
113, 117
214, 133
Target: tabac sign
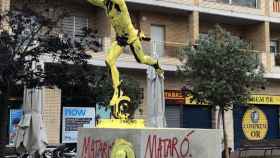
174, 97
254, 124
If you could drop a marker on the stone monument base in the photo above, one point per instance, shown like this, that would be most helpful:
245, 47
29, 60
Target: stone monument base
151, 142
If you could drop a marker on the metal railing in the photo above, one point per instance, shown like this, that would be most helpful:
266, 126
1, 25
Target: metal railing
276, 58
245, 3
95, 43
160, 48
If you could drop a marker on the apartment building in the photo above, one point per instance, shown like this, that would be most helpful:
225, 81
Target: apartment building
172, 24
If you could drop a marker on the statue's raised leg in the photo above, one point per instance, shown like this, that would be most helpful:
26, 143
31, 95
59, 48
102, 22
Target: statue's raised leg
121, 104
142, 58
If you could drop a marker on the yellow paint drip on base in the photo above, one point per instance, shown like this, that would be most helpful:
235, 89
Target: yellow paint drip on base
122, 149
118, 123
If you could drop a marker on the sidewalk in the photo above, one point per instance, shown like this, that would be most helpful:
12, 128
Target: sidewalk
256, 154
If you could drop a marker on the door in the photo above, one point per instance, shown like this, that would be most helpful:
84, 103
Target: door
157, 37
197, 116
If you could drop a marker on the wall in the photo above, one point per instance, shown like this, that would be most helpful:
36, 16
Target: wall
176, 29
4, 5
260, 30
51, 114
205, 26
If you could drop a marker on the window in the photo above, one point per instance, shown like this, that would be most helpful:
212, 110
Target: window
247, 3
203, 35
274, 46
73, 26
157, 37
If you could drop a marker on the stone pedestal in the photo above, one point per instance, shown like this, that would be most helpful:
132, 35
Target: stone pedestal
152, 143
118, 123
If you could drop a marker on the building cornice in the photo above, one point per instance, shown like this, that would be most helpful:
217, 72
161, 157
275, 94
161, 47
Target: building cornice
201, 9
272, 75
165, 4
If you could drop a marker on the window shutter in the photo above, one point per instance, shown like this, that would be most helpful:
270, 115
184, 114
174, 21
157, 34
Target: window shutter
73, 26
68, 26
80, 23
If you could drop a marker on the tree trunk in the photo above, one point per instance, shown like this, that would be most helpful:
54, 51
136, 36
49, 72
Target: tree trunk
4, 111
226, 151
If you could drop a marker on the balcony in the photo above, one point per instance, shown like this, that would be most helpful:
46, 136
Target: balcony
276, 58
168, 51
243, 3
248, 9
165, 51
275, 10
276, 6
275, 62
163, 3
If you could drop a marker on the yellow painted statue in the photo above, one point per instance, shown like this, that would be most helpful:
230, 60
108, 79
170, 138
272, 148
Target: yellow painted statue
126, 35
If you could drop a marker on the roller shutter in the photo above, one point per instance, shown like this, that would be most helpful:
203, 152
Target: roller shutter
172, 113
197, 117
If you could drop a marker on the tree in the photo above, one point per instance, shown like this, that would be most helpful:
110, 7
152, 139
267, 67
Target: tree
90, 84
220, 70
26, 38
27, 41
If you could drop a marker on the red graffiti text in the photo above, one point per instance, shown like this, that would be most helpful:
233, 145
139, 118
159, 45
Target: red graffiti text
95, 148
158, 147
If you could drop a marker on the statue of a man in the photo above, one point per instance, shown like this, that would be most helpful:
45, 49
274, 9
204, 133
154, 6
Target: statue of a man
126, 35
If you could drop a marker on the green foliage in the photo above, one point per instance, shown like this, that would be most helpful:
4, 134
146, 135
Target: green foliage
28, 40
89, 84
220, 69
32, 38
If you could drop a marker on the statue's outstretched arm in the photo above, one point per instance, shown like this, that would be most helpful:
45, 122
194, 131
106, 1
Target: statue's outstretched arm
99, 3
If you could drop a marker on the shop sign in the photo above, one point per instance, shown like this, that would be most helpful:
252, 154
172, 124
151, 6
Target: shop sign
253, 99
174, 96
254, 124
264, 99
75, 118
15, 116
189, 101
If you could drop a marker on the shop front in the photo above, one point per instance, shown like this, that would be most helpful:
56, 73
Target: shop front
257, 121
174, 102
181, 112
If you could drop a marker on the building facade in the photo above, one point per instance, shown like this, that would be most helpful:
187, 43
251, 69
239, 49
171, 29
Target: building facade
172, 24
